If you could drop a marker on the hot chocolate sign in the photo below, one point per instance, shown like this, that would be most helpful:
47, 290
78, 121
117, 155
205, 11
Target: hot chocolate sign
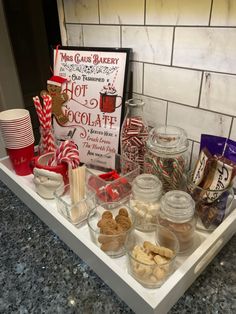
94, 82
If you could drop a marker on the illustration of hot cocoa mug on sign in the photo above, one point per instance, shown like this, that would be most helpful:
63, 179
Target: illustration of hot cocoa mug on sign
109, 99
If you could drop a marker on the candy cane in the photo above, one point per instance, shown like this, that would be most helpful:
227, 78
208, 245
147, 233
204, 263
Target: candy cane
114, 79
66, 152
39, 110
44, 115
47, 100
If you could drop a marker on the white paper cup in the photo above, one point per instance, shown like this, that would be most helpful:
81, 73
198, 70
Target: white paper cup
13, 114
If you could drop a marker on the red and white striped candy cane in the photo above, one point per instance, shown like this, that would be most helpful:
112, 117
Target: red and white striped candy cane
39, 110
47, 109
66, 152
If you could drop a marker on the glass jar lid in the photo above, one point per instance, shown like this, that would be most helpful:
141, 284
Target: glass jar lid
178, 206
147, 186
168, 139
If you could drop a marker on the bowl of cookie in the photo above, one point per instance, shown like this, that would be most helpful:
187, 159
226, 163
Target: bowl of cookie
151, 255
109, 225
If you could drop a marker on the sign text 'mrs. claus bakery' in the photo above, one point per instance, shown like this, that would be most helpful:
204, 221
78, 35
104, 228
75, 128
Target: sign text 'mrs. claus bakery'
93, 58
94, 87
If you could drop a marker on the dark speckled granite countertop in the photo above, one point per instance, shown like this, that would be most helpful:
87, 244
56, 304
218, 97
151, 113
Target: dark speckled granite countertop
40, 274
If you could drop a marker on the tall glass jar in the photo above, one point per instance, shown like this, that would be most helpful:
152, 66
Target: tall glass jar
134, 132
177, 213
145, 199
167, 156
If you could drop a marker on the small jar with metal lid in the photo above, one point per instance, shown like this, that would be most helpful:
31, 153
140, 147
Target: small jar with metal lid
167, 156
145, 199
177, 213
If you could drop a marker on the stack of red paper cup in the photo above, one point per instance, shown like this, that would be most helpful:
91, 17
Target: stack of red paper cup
18, 136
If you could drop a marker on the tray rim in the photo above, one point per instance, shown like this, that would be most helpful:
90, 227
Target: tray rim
121, 283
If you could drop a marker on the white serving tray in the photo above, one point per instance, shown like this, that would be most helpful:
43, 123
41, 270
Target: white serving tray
113, 271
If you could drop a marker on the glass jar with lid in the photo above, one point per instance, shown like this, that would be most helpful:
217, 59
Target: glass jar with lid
177, 213
145, 199
134, 132
167, 156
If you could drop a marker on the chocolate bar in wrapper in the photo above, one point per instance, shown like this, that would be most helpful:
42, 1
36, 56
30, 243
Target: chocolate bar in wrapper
218, 145
202, 167
230, 150
214, 144
220, 176
213, 174
213, 214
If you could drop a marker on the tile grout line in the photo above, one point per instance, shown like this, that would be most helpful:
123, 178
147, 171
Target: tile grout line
82, 30
230, 128
167, 110
99, 16
144, 10
191, 156
156, 25
185, 68
209, 23
200, 90
143, 79
188, 106
172, 50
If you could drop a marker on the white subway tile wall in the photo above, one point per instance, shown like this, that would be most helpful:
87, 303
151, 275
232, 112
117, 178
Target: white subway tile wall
82, 11
149, 44
219, 93
137, 77
153, 105
196, 121
75, 34
184, 56
172, 83
121, 12
101, 36
223, 13
205, 48
177, 12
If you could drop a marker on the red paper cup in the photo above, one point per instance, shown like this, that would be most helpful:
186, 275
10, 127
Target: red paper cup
21, 158
18, 145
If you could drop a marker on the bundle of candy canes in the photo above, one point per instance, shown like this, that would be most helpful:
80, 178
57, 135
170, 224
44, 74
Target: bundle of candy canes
44, 115
66, 152
169, 170
133, 139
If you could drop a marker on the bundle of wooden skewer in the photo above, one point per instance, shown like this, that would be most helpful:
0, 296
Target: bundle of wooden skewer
67, 152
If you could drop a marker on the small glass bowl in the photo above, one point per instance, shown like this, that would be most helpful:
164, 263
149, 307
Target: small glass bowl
74, 213
212, 206
111, 237
111, 189
152, 271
